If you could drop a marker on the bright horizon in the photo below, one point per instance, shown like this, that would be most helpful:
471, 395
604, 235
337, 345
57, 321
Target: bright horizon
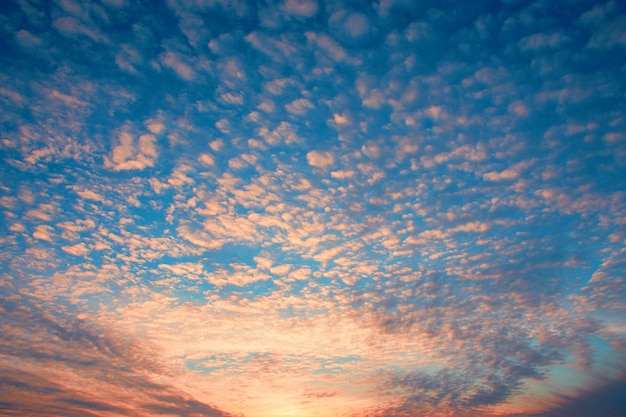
309, 208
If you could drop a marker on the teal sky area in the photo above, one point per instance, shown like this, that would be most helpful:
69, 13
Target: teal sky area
309, 208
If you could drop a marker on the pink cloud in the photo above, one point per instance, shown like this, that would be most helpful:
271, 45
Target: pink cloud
320, 159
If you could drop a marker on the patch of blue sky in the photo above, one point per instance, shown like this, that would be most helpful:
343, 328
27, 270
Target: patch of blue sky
567, 378
200, 366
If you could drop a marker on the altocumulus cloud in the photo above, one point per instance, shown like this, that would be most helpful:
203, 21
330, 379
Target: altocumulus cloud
312, 208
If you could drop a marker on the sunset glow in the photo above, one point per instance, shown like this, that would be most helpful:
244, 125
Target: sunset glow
307, 208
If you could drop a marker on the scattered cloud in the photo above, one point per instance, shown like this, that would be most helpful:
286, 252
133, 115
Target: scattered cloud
133, 154
320, 159
299, 106
177, 63
300, 8
312, 208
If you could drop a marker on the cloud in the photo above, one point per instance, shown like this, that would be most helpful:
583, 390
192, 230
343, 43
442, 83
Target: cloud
541, 40
283, 133
350, 27
77, 250
371, 149
68, 26
92, 195
232, 98
342, 174
133, 154
128, 58
374, 99
357, 24
27, 39
207, 159
300, 8
199, 238
70, 381
66, 99
613, 137
508, 174
331, 48
369, 200
43, 232
320, 159
176, 62
239, 275
341, 119
299, 106
609, 35
606, 399
519, 108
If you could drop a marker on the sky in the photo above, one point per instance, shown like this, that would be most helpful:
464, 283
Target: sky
309, 208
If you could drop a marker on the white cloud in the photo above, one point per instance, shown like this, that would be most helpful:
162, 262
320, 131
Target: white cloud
281, 270
510, 173
179, 176
357, 24
436, 112
277, 86
92, 195
507, 174
190, 270
257, 144
232, 98
216, 145
300, 8
128, 58
320, 159
284, 132
236, 163
614, 137
11, 97
349, 25
17, 227
77, 250
342, 174
155, 126
541, 40
224, 126
206, 159
43, 232
371, 149
146, 145
27, 39
176, 62
39, 214
69, 26
597, 276
299, 106
374, 99
263, 262
129, 155
341, 119
66, 99
610, 34
518, 108
199, 238
335, 51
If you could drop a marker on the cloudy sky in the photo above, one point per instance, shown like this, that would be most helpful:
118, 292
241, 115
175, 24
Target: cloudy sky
309, 208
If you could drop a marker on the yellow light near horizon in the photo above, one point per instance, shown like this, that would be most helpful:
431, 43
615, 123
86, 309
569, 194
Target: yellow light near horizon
285, 412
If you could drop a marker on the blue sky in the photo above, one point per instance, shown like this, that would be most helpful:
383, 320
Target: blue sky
308, 208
